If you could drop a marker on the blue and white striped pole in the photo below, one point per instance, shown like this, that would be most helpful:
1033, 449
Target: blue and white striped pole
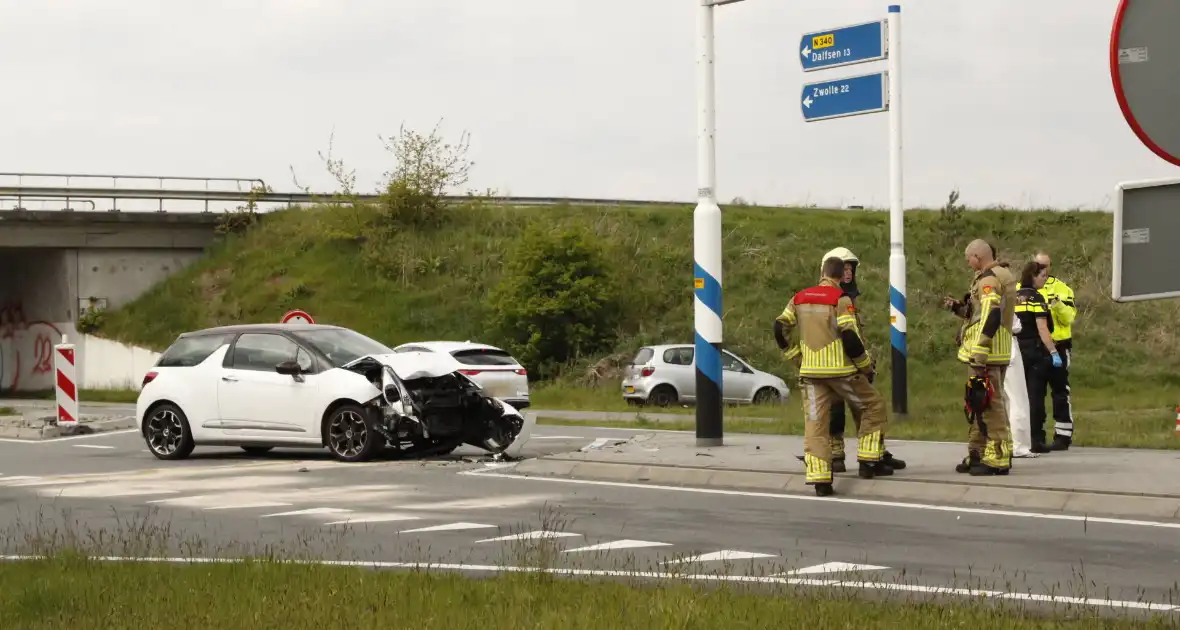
706, 245
896, 220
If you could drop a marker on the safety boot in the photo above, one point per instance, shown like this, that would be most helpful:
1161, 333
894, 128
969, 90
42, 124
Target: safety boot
968, 462
838, 465
868, 470
824, 490
980, 469
1060, 443
893, 462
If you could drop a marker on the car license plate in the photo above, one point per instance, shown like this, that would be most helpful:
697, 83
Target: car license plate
629, 389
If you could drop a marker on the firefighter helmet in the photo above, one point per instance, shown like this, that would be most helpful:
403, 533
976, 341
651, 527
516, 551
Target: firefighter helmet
843, 253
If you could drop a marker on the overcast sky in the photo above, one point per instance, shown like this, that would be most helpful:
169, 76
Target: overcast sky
1008, 100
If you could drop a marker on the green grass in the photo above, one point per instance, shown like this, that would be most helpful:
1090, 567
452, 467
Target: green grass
79, 593
8, 411
404, 285
1101, 420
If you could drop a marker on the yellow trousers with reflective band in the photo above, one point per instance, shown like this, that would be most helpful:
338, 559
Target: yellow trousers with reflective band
993, 440
862, 400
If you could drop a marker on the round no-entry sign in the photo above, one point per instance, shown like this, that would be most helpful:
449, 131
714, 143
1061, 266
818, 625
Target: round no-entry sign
296, 317
1145, 70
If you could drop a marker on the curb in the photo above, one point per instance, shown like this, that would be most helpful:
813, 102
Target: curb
849, 485
51, 432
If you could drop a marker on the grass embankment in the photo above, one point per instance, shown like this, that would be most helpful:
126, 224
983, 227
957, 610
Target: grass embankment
8, 411
80, 593
405, 285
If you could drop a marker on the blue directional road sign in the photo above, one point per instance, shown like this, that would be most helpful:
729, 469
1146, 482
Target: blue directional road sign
850, 96
845, 45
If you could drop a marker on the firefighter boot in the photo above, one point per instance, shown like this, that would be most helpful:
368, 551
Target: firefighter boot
1060, 443
893, 462
824, 490
868, 470
968, 462
838, 465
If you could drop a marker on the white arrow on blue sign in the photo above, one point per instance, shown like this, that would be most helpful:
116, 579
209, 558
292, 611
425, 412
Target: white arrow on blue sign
844, 46
850, 96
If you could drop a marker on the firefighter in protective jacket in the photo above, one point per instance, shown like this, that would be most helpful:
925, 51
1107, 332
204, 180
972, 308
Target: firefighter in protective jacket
985, 345
833, 365
838, 417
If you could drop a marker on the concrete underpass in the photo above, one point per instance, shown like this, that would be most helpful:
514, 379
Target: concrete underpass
55, 265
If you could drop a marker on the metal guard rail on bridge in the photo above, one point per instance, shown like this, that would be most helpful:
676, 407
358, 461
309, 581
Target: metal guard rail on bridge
288, 198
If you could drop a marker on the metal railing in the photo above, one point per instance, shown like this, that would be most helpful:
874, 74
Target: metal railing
69, 191
18, 203
256, 192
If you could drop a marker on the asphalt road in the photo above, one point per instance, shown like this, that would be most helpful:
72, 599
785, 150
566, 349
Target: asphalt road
466, 509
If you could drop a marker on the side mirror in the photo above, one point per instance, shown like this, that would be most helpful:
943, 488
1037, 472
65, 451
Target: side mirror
290, 368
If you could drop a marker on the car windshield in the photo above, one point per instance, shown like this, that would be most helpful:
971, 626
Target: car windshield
341, 345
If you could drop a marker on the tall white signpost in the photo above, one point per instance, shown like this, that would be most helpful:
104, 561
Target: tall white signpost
706, 242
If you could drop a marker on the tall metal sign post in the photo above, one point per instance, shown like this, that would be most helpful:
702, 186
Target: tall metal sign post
706, 241
868, 94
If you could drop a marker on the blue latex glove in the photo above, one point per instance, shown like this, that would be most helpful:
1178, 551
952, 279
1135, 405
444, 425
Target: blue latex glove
1056, 360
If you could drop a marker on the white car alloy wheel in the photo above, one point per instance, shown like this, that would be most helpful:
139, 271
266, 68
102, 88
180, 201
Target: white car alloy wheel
167, 433
351, 437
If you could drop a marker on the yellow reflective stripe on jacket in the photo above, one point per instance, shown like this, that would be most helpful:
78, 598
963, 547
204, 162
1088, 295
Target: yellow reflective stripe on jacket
1031, 307
1000, 352
846, 322
827, 361
1064, 314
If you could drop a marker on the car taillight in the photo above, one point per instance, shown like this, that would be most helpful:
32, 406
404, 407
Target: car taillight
469, 372
522, 372
149, 377
647, 371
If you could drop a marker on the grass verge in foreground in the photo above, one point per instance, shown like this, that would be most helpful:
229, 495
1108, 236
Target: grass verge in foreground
84, 395
71, 591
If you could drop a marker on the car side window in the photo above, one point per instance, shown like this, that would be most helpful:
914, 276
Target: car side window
264, 351
730, 363
678, 356
191, 351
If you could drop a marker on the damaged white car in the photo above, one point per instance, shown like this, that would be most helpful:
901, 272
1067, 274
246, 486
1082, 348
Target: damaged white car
264, 386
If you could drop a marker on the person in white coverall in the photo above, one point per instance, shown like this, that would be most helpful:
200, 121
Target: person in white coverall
1016, 395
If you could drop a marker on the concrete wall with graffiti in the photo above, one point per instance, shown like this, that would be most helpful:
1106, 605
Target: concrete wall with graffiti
26, 356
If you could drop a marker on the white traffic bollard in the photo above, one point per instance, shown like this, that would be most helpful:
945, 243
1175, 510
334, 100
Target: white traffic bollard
67, 383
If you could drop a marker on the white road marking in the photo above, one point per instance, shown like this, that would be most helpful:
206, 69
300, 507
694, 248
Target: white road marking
229, 501
376, 517
834, 567
557, 437
506, 501
449, 527
534, 535
802, 497
619, 544
708, 577
309, 511
723, 555
4, 481
248, 505
92, 446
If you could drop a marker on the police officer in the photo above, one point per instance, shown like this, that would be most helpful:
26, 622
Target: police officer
833, 365
1037, 349
986, 347
838, 418
1063, 311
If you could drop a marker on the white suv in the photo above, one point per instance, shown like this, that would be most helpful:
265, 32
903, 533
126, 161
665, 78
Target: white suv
493, 369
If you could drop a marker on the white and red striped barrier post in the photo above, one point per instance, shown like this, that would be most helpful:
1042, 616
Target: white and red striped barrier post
67, 383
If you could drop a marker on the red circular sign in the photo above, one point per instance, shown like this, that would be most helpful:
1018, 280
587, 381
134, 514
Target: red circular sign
1144, 57
297, 317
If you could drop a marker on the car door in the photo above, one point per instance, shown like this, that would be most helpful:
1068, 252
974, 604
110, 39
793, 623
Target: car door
679, 370
737, 380
255, 401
